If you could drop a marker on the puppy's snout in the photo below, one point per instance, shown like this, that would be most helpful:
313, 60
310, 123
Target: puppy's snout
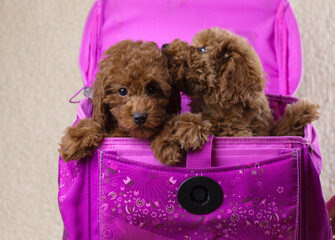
140, 118
165, 45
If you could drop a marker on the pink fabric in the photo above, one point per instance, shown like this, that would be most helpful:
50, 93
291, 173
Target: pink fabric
241, 165
269, 25
252, 208
201, 159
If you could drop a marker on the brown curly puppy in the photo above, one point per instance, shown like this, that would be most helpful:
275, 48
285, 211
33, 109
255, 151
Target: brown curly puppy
133, 97
224, 78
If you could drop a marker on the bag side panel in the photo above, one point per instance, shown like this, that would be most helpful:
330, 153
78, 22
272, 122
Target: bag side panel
73, 196
315, 219
294, 49
89, 55
316, 224
75, 189
288, 50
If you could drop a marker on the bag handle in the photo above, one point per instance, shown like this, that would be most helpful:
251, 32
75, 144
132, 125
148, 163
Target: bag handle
201, 159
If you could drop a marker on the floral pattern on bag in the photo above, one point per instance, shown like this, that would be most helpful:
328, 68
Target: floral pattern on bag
140, 199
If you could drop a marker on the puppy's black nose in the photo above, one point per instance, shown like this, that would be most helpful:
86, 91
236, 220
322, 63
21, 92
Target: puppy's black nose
140, 118
165, 45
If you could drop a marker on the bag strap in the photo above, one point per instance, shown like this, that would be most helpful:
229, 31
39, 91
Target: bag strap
84, 109
202, 158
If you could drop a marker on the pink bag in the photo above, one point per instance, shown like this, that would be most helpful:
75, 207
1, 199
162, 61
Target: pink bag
234, 188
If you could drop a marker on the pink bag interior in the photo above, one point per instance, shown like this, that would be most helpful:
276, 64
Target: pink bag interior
269, 26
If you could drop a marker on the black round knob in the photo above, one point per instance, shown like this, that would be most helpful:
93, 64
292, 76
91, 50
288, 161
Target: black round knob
165, 45
200, 195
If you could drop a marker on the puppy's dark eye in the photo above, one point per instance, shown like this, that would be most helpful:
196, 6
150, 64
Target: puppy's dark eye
152, 90
202, 49
123, 92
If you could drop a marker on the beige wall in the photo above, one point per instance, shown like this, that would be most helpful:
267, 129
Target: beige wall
39, 44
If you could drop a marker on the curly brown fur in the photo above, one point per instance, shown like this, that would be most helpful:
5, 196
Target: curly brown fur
181, 133
296, 117
141, 71
224, 78
226, 83
81, 139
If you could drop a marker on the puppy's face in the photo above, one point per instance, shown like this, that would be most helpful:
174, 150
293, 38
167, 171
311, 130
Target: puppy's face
188, 67
218, 68
133, 89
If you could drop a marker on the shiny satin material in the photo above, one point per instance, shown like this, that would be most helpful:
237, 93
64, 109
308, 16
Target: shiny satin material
271, 190
269, 26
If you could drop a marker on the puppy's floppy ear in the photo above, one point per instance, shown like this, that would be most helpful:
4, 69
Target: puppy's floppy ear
175, 102
178, 55
101, 112
241, 71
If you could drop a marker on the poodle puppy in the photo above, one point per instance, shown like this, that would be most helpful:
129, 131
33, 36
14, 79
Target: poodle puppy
133, 97
224, 78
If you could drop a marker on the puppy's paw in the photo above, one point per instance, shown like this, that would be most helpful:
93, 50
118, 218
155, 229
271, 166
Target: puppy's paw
166, 151
191, 131
303, 112
80, 140
180, 134
296, 117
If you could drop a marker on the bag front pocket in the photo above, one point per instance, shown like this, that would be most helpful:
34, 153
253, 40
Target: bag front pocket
232, 157
260, 200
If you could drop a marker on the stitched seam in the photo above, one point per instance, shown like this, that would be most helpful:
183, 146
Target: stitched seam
206, 170
299, 207
256, 154
219, 140
99, 195
89, 200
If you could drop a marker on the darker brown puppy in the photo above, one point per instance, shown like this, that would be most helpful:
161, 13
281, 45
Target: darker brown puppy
224, 77
133, 97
